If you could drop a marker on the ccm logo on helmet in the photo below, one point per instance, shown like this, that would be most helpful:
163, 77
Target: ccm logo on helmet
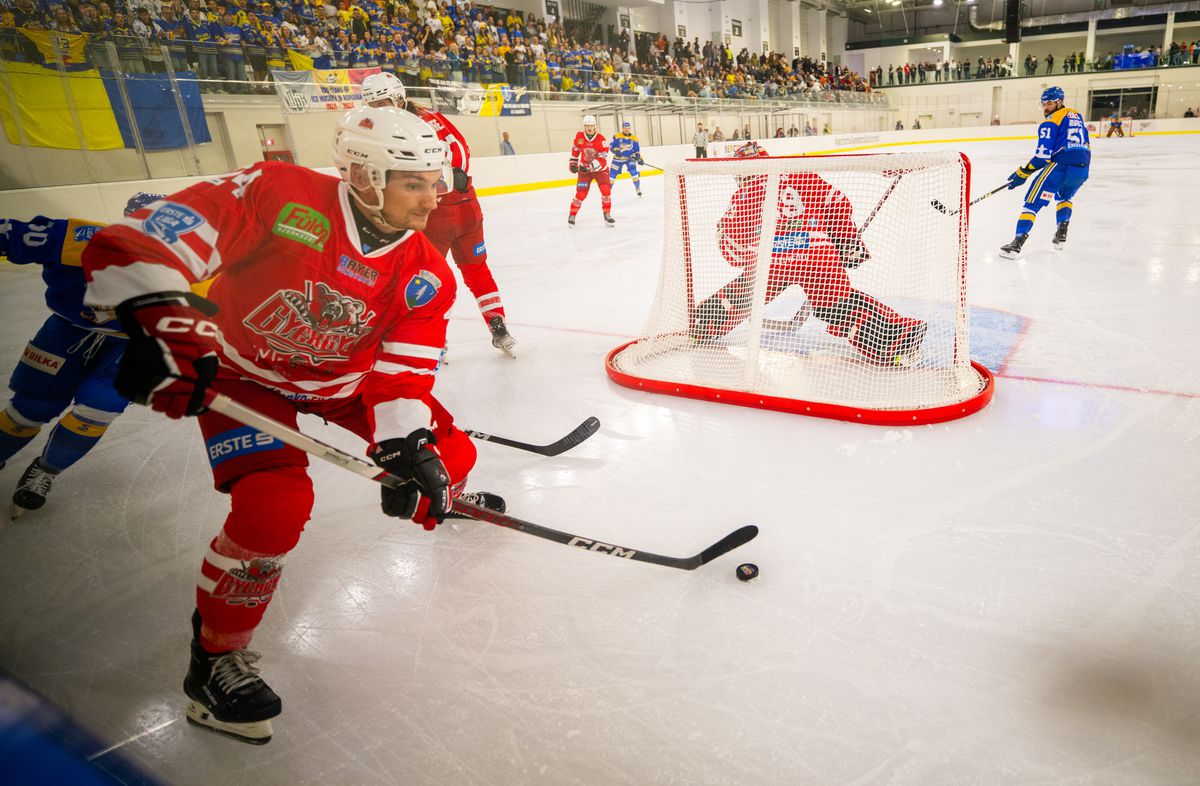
201, 327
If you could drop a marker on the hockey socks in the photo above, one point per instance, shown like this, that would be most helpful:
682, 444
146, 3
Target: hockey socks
76, 433
15, 433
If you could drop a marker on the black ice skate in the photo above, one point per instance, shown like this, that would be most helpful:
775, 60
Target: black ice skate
501, 339
571, 220
1060, 236
32, 488
639, 192
1013, 249
227, 695
609, 221
481, 499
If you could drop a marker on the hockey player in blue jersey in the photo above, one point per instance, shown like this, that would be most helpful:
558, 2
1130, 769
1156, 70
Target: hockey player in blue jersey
70, 362
1058, 168
626, 154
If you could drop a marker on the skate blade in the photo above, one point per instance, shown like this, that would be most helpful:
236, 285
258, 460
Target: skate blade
256, 733
509, 348
15, 511
1010, 254
1058, 246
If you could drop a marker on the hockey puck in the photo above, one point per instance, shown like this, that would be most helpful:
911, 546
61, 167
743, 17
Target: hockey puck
747, 571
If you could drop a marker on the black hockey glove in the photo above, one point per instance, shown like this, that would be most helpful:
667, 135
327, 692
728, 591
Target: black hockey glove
425, 498
574, 166
461, 181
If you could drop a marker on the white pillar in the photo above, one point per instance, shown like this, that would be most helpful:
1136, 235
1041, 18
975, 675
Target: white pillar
823, 21
1168, 34
1089, 54
1014, 49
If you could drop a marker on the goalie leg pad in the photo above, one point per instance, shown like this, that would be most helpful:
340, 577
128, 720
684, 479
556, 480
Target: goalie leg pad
722, 311
878, 333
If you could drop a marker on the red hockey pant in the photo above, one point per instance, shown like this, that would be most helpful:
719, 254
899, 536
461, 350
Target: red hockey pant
272, 498
584, 184
457, 226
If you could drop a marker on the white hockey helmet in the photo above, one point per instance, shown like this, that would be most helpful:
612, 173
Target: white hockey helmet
589, 120
383, 87
372, 141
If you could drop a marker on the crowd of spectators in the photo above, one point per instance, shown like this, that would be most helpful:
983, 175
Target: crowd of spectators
1178, 54
229, 42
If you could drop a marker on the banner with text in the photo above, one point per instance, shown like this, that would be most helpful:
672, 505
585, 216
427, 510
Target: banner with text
333, 90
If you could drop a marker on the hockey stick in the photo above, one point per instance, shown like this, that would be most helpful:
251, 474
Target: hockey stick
895, 181
942, 208
652, 166
584, 430
235, 411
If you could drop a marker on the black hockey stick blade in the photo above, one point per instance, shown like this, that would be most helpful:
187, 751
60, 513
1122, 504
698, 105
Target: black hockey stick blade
938, 206
584, 430
723, 546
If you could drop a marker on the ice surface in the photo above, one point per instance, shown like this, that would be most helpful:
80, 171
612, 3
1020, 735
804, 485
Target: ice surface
1009, 598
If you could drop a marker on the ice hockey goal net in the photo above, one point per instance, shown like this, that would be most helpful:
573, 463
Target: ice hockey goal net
1124, 127
851, 305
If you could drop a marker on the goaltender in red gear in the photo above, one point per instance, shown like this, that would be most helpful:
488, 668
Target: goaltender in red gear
815, 242
327, 300
457, 224
589, 162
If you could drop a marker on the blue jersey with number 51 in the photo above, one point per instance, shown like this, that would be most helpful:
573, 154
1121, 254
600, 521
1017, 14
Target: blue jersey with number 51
1062, 138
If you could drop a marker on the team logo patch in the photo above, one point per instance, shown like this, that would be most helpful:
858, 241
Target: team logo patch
302, 224
479, 250
85, 233
172, 220
42, 360
421, 289
1047, 195
241, 441
311, 326
359, 271
251, 583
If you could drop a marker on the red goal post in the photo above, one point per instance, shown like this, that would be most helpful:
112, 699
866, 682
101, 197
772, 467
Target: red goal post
788, 340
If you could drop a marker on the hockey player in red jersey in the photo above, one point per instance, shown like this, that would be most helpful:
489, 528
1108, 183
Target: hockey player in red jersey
589, 162
327, 300
457, 224
815, 242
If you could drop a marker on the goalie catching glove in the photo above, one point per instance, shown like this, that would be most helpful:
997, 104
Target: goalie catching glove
172, 354
425, 497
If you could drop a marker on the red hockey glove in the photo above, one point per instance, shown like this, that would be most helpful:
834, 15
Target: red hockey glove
172, 354
425, 498
574, 166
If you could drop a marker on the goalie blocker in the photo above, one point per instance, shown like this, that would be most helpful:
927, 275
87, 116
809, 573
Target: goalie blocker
749, 243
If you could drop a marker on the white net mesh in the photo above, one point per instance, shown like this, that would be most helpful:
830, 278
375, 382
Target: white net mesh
862, 305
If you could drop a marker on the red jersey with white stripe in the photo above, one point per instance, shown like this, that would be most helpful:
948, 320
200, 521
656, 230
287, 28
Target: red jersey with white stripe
304, 310
590, 152
811, 212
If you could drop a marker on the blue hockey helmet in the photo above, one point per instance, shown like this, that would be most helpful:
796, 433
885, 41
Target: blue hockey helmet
626, 124
1053, 94
140, 200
